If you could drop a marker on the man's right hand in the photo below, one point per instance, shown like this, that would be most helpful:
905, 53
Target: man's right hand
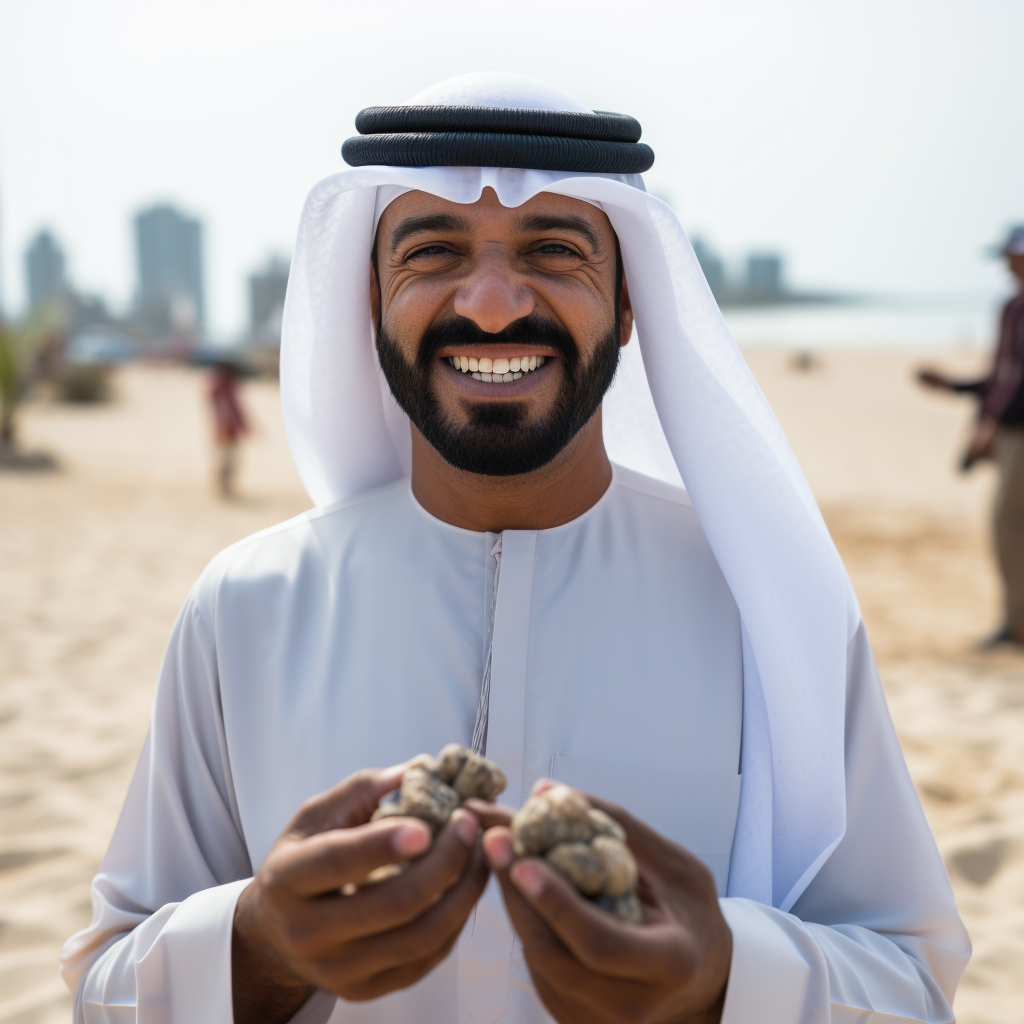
295, 931
934, 379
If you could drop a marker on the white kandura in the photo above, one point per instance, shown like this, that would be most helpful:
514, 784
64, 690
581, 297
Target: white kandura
617, 664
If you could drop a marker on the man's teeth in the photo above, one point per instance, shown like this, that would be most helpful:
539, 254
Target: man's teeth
496, 371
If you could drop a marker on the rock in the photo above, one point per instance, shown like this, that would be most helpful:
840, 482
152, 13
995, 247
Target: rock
426, 761
388, 810
626, 908
537, 826
581, 864
618, 865
605, 825
479, 778
566, 803
432, 787
424, 795
584, 844
450, 761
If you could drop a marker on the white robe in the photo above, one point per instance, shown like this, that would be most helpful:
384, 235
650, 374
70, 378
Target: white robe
357, 635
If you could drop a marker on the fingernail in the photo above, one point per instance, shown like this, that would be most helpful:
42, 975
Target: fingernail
465, 827
408, 840
498, 848
528, 878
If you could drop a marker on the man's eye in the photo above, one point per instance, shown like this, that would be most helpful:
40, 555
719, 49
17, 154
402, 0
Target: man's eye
431, 250
556, 249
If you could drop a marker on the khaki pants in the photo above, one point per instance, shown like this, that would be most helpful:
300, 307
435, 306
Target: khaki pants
1009, 522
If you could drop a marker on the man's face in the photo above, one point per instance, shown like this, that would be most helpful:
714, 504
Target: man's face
527, 302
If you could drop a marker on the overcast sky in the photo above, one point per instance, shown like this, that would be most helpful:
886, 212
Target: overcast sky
878, 145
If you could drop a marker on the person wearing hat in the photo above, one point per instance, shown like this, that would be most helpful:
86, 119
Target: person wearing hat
999, 434
503, 554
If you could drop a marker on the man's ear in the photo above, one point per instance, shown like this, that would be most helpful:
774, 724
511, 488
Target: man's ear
374, 294
625, 314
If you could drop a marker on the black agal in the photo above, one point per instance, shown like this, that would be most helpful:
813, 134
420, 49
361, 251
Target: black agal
458, 136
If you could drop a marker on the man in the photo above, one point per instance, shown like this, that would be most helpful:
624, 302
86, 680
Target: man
999, 433
457, 314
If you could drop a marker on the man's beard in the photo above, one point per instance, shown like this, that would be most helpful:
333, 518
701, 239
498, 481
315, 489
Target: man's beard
497, 441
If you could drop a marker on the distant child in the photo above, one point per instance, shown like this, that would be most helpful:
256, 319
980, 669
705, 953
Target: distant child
229, 423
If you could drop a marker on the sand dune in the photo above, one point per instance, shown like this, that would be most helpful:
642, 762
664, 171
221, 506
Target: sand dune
96, 559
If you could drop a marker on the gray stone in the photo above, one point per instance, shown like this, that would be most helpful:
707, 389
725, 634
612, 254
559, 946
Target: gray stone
537, 826
425, 796
479, 778
450, 761
620, 874
604, 825
581, 864
626, 908
388, 810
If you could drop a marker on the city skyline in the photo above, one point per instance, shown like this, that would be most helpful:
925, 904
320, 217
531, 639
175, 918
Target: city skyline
892, 174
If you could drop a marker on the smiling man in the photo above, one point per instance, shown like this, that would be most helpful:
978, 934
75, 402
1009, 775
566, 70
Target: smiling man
478, 570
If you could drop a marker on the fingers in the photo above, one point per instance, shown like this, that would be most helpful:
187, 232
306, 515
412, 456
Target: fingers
565, 984
404, 898
350, 802
489, 814
428, 934
596, 939
395, 978
542, 903
326, 861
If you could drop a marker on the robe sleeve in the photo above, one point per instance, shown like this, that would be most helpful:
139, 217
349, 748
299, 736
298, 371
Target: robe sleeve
876, 934
159, 945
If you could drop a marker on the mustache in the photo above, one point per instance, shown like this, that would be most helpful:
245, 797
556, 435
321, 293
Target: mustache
528, 330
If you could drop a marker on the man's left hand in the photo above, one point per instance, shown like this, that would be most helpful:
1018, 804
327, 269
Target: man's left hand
589, 967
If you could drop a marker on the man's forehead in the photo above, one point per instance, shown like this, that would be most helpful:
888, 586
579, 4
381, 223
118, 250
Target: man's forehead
532, 215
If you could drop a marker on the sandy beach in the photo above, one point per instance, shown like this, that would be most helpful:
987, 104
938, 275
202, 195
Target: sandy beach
97, 557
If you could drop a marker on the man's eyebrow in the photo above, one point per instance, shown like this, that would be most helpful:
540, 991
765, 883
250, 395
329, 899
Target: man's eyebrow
428, 222
563, 222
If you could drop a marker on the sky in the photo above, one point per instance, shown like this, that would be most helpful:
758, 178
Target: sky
877, 145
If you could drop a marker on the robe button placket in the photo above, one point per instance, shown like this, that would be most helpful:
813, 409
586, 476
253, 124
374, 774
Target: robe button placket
485, 948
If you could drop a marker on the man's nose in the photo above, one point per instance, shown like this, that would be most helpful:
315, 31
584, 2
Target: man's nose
493, 298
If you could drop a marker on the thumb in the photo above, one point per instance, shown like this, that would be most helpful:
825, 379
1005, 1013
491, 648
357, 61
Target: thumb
349, 803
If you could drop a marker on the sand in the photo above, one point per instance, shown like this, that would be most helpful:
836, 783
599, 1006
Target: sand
96, 559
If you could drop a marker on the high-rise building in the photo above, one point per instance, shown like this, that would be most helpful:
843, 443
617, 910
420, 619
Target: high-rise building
169, 250
267, 289
44, 269
711, 264
764, 275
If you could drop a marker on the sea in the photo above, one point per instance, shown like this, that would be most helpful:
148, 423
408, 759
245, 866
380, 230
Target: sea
944, 322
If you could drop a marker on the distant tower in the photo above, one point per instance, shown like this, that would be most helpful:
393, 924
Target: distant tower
267, 289
764, 275
711, 264
44, 269
169, 249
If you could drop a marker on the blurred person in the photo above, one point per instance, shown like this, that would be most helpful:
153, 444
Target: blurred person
229, 423
477, 570
999, 435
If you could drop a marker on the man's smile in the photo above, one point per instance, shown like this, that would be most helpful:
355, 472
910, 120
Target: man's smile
497, 369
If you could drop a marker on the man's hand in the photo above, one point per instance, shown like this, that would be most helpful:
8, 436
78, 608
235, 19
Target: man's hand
982, 443
934, 379
588, 967
295, 930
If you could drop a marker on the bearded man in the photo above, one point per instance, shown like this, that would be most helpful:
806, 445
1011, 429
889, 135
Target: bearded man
478, 570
